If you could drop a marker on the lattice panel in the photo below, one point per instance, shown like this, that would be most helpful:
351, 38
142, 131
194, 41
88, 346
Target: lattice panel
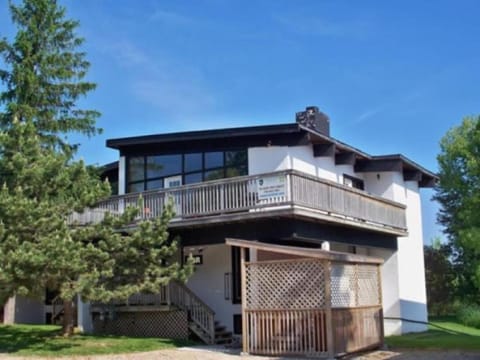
343, 285
171, 324
355, 285
368, 285
290, 284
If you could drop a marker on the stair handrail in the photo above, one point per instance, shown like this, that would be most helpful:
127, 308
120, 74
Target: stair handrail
56, 301
200, 313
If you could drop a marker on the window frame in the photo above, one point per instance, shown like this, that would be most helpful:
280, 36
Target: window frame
357, 183
202, 170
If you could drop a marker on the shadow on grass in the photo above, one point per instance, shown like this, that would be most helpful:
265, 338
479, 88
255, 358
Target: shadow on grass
435, 320
17, 338
443, 334
167, 342
446, 330
47, 340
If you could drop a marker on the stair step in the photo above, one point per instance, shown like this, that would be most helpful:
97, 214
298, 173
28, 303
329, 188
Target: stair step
223, 341
223, 333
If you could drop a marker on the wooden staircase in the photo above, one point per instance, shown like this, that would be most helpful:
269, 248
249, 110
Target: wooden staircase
222, 335
200, 316
58, 311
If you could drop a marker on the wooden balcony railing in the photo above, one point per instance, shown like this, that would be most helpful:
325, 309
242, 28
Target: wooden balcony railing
287, 189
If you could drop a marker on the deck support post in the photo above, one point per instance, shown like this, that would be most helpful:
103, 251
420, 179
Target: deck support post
380, 297
328, 310
243, 283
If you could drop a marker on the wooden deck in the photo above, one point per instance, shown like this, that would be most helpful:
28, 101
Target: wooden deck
284, 193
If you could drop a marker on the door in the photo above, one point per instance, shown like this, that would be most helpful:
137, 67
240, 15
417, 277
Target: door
175, 196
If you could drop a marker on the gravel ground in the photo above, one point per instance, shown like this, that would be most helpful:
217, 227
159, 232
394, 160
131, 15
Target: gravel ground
209, 353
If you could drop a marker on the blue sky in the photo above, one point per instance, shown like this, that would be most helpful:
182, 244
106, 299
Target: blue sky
392, 76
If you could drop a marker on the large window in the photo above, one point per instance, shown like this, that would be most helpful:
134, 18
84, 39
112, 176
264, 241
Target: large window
149, 172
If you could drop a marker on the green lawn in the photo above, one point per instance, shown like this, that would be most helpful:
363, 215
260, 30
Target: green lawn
443, 334
45, 340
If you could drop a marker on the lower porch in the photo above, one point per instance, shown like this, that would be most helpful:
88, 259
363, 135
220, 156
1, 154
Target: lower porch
285, 323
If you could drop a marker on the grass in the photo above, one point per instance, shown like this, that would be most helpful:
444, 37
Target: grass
45, 340
444, 333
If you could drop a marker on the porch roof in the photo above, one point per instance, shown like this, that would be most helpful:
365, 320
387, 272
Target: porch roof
304, 252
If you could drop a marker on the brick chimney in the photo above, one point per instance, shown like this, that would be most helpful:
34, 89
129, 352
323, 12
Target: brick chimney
314, 119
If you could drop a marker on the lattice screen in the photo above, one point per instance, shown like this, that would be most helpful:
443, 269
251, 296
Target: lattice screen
368, 285
354, 285
291, 284
164, 324
343, 286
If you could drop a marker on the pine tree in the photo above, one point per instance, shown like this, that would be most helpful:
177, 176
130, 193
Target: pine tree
42, 184
44, 80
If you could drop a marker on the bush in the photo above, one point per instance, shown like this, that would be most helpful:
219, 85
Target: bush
469, 315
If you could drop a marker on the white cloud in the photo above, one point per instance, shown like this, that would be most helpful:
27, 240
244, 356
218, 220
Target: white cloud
172, 95
171, 86
368, 114
311, 25
170, 17
128, 55
402, 101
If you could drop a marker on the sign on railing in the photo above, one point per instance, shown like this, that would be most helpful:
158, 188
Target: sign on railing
269, 187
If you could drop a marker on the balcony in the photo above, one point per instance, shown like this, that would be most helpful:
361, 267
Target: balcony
286, 193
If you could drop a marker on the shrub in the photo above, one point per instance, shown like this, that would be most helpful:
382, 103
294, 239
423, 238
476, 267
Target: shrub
469, 315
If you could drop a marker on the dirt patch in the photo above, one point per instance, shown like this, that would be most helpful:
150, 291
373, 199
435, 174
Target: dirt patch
416, 355
217, 353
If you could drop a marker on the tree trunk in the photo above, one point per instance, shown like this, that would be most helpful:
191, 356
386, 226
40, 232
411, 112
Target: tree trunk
68, 318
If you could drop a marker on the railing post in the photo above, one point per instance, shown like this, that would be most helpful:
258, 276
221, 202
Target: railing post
328, 307
290, 185
212, 329
121, 205
167, 294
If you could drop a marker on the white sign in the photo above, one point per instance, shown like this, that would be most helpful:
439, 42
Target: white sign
270, 187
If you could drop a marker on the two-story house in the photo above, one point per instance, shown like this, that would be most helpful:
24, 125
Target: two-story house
286, 184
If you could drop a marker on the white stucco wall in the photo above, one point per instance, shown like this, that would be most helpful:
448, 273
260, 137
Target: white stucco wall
326, 168
268, 159
389, 185
390, 289
276, 158
301, 159
208, 282
413, 296
403, 271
